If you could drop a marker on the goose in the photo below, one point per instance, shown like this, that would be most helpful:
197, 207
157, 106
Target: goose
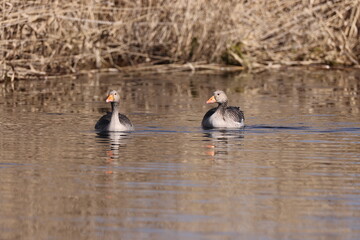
222, 116
114, 121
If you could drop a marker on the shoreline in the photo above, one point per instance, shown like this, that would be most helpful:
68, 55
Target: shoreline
203, 68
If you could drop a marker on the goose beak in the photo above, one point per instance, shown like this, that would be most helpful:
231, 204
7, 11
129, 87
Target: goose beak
211, 100
110, 98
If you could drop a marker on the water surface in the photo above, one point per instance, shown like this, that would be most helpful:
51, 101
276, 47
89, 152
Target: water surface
291, 173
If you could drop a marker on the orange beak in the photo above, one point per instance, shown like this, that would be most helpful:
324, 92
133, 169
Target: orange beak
211, 100
110, 98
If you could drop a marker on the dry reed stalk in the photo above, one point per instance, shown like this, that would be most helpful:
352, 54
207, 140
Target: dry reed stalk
46, 37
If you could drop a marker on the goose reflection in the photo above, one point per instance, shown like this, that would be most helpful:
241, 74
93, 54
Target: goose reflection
221, 142
116, 141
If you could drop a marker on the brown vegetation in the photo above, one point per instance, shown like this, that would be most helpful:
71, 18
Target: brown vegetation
52, 37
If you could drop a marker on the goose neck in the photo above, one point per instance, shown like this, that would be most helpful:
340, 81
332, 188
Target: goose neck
114, 107
222, 107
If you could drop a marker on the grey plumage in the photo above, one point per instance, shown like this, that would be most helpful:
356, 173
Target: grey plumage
114, 121
235, 113
222, 116
104, 121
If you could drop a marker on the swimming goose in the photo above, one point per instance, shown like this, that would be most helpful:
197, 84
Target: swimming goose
114, 121
222, 116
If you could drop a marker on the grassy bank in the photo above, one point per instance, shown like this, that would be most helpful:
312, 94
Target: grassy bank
53, 37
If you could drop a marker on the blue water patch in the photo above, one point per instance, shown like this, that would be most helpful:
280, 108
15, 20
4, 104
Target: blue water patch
274, 128
7, 165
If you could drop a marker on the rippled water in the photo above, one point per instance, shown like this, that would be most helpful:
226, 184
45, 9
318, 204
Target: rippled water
292, 173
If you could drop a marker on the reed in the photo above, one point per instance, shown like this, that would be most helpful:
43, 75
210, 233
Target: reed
54, 37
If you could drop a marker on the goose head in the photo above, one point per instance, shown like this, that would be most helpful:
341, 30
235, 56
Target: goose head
113, 96
218, 97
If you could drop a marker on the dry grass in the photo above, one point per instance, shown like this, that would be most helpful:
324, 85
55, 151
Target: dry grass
52, 37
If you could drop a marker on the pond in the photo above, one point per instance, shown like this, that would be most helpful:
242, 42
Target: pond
292, 173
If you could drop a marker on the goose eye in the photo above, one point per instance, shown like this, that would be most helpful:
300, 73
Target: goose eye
218, 94
114, 93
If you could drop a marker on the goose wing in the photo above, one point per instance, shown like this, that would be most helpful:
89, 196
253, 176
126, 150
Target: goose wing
235, 114
103, 121
205, 122
124, 120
